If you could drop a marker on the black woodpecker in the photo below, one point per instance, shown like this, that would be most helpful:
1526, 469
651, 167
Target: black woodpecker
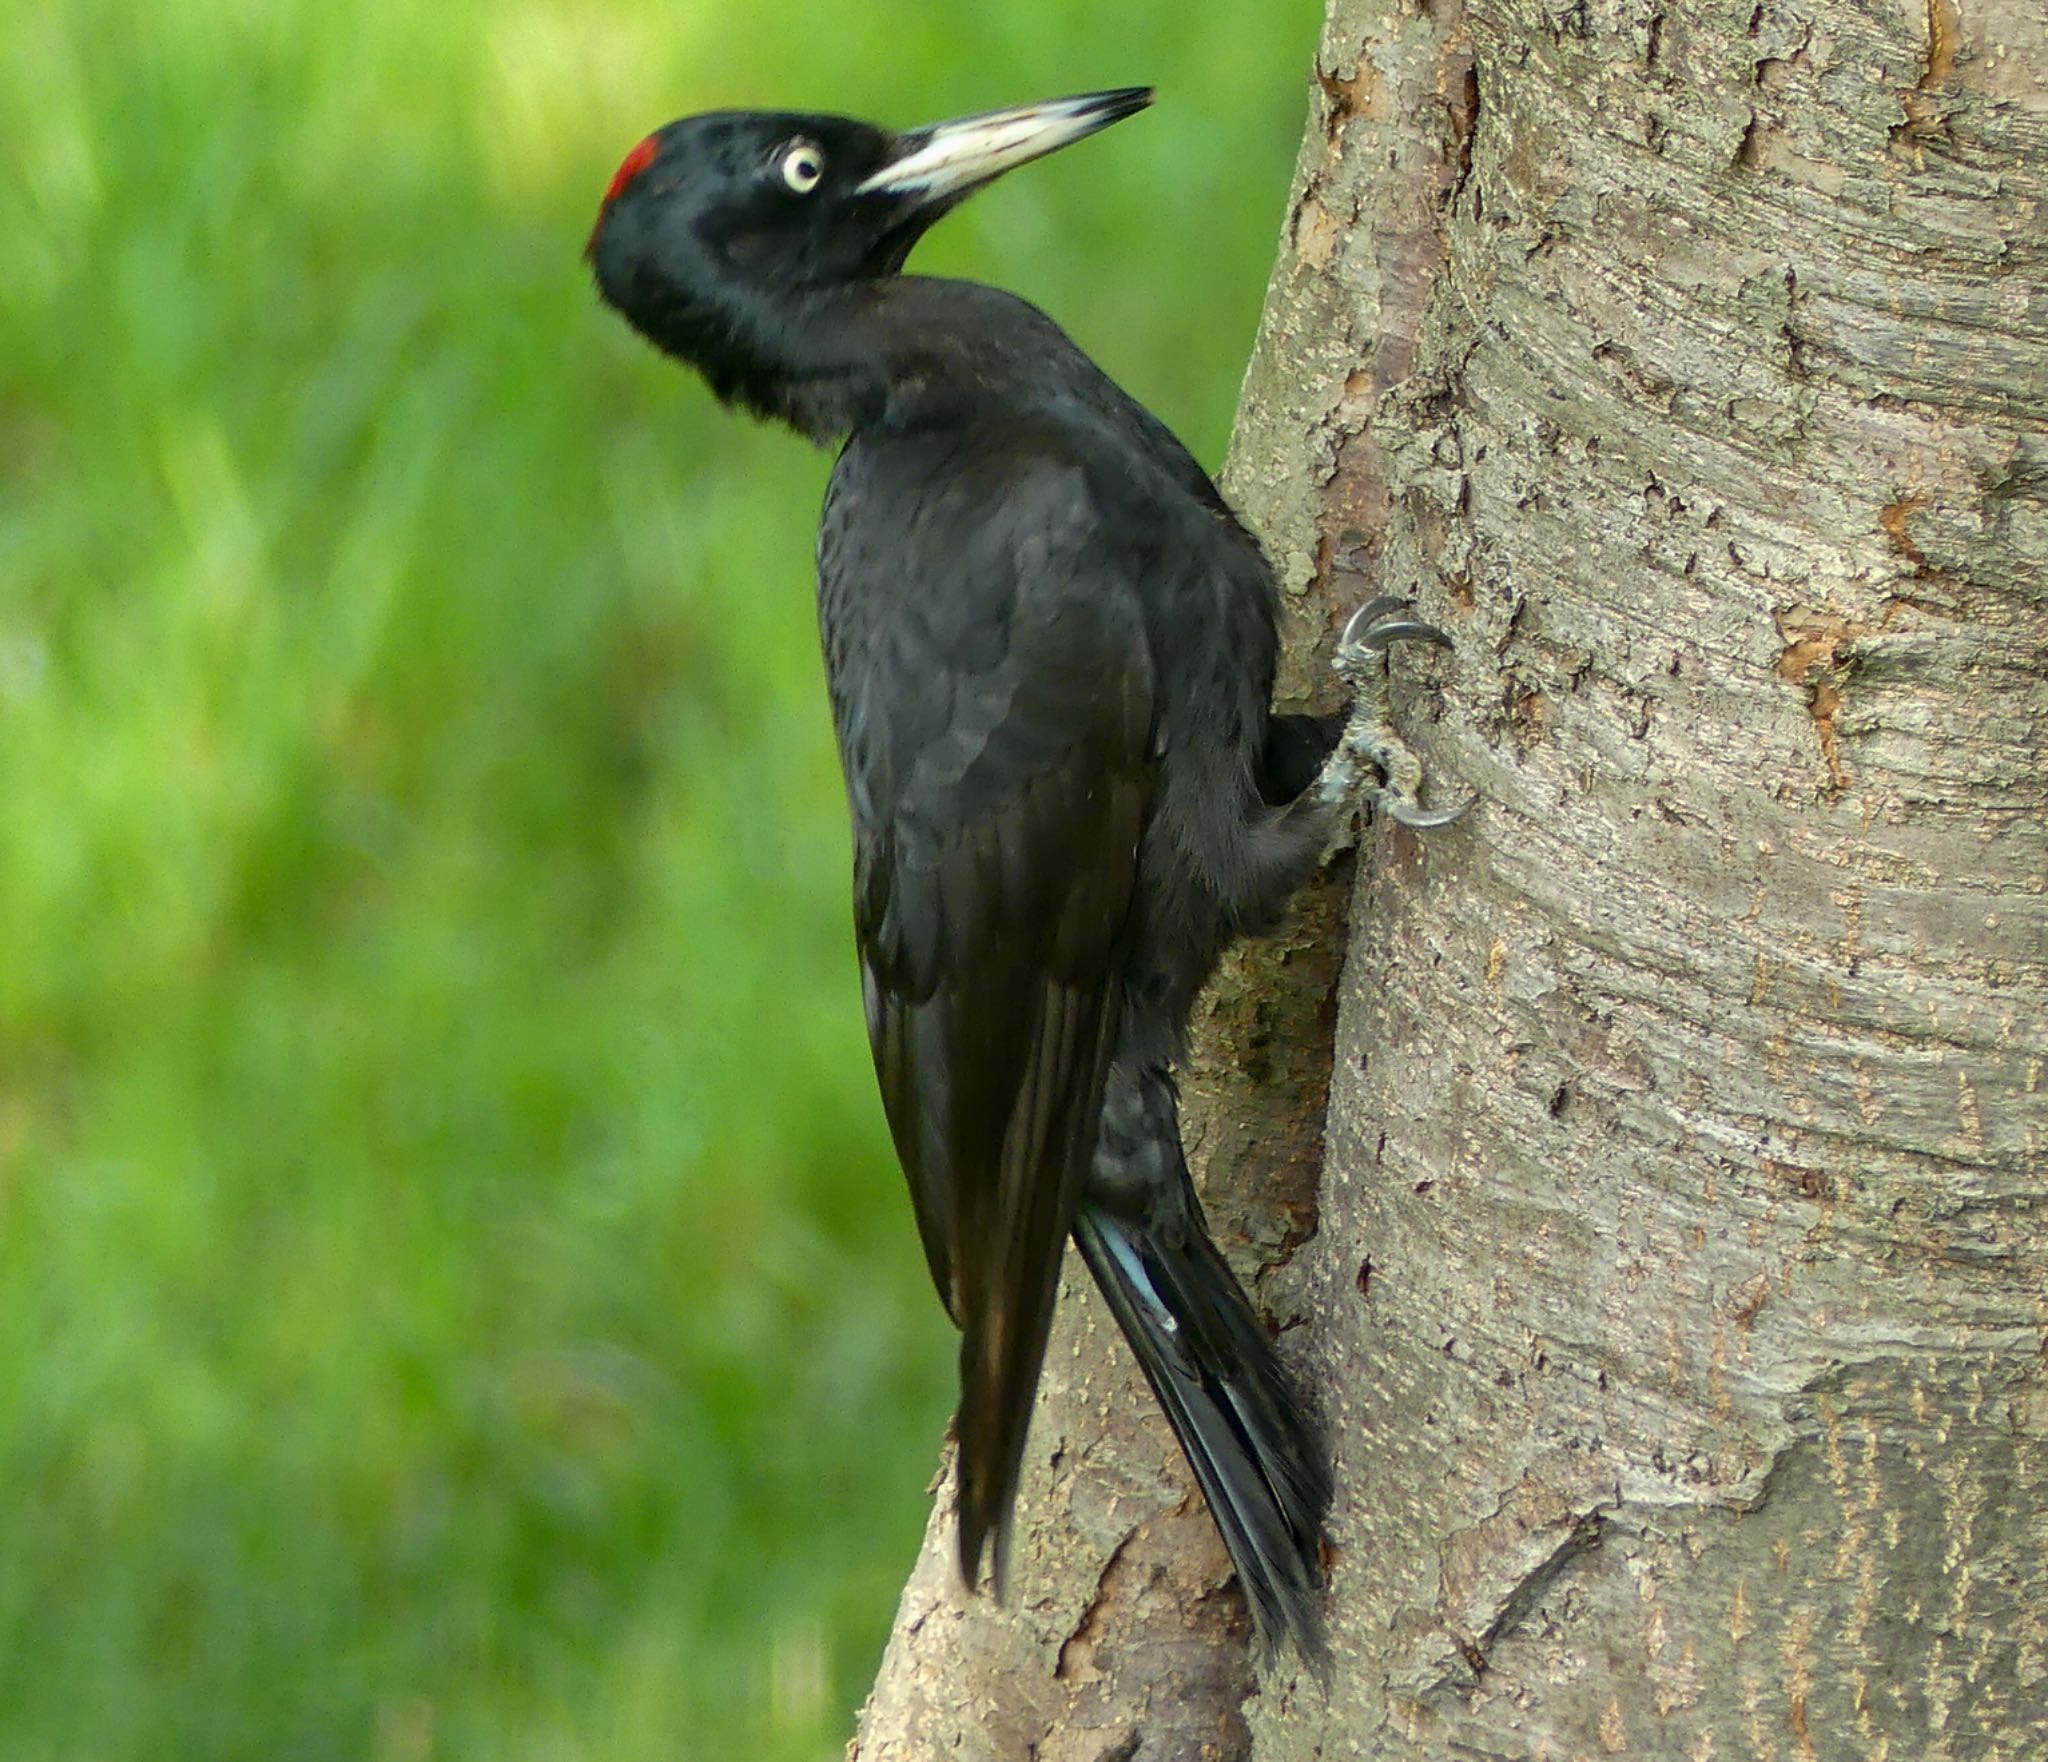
1050, 647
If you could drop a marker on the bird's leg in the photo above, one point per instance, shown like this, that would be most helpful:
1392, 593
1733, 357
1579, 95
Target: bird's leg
1369, 745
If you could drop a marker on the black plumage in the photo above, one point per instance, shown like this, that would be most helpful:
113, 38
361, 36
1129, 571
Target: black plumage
1051, 651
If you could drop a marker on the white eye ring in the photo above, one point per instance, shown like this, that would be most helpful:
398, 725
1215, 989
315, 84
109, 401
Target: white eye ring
803, 166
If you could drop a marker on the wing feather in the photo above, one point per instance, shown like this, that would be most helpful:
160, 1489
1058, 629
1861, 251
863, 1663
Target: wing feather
993, 695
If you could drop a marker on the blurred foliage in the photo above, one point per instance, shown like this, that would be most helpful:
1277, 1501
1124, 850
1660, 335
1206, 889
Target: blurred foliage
455, 1296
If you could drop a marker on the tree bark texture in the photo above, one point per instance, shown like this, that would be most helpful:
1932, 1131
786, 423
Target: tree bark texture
1676, 1278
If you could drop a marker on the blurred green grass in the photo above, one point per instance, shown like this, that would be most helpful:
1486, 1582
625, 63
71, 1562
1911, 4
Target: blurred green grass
455, 1296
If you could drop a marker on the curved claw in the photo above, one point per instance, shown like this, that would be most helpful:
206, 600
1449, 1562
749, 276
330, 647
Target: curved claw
1428, 819
1368, 615
1370, 740
1381, 636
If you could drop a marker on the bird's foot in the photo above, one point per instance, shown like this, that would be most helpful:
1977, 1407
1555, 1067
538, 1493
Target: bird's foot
1371, 760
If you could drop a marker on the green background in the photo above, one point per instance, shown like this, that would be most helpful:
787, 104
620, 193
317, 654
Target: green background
455, 1295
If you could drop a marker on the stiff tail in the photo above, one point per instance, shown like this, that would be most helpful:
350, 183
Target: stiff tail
1254, 1451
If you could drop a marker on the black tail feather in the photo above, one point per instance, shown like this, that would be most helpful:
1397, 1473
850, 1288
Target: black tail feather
1254, 1452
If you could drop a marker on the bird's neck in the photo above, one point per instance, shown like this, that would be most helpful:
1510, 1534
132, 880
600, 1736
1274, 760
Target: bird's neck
829, 361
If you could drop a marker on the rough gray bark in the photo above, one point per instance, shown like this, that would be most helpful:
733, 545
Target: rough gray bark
1679, 1284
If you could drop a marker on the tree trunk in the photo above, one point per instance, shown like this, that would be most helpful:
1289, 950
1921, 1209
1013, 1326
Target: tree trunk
1677, 1286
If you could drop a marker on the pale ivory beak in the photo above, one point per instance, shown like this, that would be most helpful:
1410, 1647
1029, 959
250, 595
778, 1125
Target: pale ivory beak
950, 158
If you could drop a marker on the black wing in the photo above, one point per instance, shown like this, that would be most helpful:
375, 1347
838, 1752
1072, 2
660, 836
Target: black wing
993, 698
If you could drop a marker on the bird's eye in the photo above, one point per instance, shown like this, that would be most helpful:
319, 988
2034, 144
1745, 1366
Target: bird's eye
802, 166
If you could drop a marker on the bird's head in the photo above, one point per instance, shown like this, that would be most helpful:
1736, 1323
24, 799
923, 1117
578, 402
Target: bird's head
714, 219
